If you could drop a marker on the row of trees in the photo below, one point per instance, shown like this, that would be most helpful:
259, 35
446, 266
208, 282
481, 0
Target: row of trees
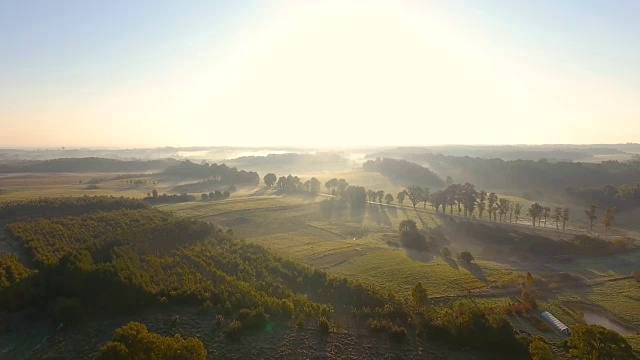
215, 195
292, 183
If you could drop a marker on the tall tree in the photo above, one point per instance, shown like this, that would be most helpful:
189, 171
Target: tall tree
270, 179
557, 215
565, 217
511, 206
400, 197
609, 217
380, 195
546, 211
492, 199
517, 210
314, 185
388, 198
414, 193
591, 215
425, 196
503, 207
482, 205
439, 198
371, 195
535, 211
331, 185
469, 198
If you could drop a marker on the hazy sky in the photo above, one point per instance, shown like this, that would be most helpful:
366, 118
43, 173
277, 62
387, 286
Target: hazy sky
332, 73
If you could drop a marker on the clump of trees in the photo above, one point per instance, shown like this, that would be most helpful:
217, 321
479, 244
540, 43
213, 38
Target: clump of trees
597, 342
214, 173
215, 195
293, 184
156, 199
410, 236
135, 341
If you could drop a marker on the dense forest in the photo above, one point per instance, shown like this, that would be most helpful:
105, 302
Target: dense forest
212, 173
526, 175
84, 165
404, 172
622, 197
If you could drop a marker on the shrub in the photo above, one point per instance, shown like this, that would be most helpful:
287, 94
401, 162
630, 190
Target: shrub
134, 341
234, 330
253, 319
466, 257
397, 333
380, 325
323, 325
219, 320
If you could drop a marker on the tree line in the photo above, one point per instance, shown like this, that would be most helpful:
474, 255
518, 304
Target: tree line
219, 174
292, 183
526, 175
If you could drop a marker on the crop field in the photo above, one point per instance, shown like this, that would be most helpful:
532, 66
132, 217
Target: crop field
33, 186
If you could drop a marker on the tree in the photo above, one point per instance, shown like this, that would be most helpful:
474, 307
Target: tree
609, 217
591, 215
503, 207
204, 197
445, 252
540, 350
535, 211
282, 182
546, 211
414, 193
154, 193
517, 210
388, 198
557, 215
270, 179
419, 296
371, 195
439, 198
466, 257
380, 195
314, 185
331, 184
492, 199
565, 217
226, 194
510, 212
342, 186
469, 198
482, 205
425, 196
400, 197
595, 342
449, 181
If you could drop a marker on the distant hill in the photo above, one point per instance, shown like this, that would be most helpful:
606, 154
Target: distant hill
404, 172
294, 162
83, 165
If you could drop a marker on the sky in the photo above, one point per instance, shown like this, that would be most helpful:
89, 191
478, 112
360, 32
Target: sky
146, 73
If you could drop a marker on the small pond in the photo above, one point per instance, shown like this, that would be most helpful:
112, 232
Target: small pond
593, 317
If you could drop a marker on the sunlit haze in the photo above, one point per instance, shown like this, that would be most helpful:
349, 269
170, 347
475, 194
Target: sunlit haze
318, 73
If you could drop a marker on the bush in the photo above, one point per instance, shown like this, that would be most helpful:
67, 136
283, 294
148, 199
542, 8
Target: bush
134, 341
219, 320
380, 325
234, 330
397, 333
466, 257
323, 325
253, 319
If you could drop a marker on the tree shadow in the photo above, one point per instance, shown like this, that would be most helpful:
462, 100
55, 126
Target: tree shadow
392, 210
422, 256
378, 215
424, 224
452, 263
357, 214
475, 270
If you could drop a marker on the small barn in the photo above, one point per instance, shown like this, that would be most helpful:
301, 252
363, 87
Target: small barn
558, 325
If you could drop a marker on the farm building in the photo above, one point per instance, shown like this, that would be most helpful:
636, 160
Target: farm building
555, 323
